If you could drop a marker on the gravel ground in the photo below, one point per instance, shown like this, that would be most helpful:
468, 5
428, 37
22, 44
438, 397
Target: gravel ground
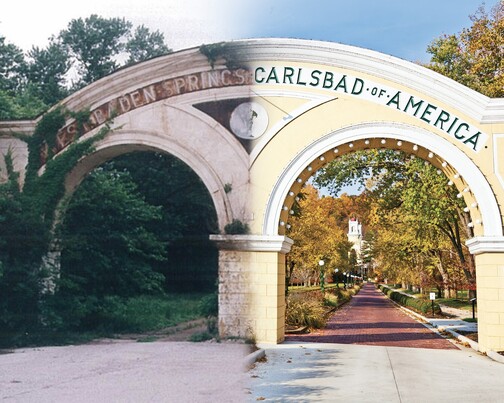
126, 371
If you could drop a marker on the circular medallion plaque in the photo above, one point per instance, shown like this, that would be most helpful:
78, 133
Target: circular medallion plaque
249, 120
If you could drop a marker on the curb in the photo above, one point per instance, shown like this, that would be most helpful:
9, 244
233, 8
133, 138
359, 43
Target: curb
495, 356
466, 340
253, 357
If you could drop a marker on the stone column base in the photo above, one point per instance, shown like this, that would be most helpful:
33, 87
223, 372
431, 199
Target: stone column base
489, 257
252, 286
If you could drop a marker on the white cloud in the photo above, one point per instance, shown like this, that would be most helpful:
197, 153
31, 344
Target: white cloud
185, 23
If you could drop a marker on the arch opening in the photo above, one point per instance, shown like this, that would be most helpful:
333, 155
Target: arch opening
118, 143
135, 237
458, 168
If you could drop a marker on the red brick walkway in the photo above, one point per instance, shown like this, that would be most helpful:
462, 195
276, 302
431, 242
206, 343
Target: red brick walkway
370, 318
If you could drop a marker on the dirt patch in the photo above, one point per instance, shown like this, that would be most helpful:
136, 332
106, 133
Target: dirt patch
181, 332
470, 335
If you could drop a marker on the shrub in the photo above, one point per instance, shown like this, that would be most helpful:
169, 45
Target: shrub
199, 337
340, 296
209, 305
305, 311
332, 299
420, 305
135, 314
236, 227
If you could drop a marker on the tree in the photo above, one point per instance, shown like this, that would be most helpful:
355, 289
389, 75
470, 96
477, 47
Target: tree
188, 217
17, 98
46, 70
144, 45
93, 44
22, 239
98, 46
108, 203
12, 64
316, 236
87, 50
475, 57
411, 203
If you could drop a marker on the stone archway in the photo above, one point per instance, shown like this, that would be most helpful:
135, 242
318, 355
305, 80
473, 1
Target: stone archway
322, 99
309, 98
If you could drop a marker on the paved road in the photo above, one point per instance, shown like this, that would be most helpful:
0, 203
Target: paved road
371, 319
125, 371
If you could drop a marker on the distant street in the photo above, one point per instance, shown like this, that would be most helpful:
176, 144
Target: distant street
371, 319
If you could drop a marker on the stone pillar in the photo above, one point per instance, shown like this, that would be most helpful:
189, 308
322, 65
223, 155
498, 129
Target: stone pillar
489, 257
252, 286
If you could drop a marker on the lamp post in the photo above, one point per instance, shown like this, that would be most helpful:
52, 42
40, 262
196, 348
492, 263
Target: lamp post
322, 276
336, 277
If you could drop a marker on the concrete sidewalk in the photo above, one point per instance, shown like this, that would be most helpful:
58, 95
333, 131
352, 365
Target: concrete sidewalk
316, 372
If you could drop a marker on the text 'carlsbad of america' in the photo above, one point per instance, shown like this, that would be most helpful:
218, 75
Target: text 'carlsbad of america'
414, 106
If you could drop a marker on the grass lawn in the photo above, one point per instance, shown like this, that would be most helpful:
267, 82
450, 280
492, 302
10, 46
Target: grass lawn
300, 288
460, 302
140, 314
456, 303
147, 313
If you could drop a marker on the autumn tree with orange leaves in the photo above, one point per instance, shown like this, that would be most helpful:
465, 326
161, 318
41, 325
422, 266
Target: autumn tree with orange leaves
318, 235
475, 56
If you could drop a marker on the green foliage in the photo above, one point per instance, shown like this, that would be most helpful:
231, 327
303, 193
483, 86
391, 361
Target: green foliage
228, 53
414, 215
228, 188
120, 261
114, 314
126, 234
12, 64
200, 337
420, 305
23, 104
470, 320
475, 56
306, 310
338, 297
145, 45
136, 314
89, 48
209, 305
26, 230
45, 71
236, 227
93, 43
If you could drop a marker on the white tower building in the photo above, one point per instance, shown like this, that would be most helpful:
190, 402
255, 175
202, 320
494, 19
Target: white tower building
355, 236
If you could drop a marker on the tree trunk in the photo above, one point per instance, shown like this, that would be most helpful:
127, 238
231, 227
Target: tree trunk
443, 272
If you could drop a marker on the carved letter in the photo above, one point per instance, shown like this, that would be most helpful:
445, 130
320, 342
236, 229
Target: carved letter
149, 94
125, 104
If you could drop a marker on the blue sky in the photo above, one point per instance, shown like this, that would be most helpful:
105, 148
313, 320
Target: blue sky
401, 28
